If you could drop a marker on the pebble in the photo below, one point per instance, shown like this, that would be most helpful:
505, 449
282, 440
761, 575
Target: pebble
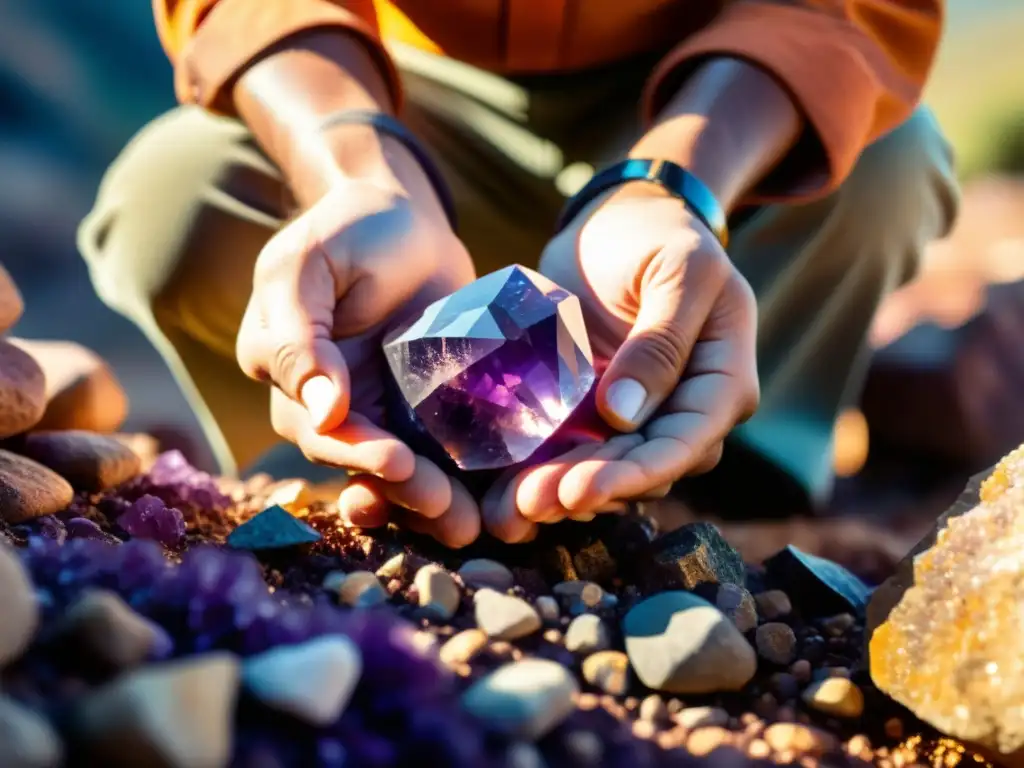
29, 490
680, 643
698, 717
525, 699
691, 555
836, 696
439, 595
504, 617
461, 648
759, 749
402, 567
795, 737
785, 686
18, 607
292, 495
313, 682
838, 625
11, 303
653, 710
587, 634
82, 391
548, 609
522, 754
738, 604
27, 740
482, 572
106, 627
178, 714
773, 604
801, 670
359, 589
22, 390
607, 670
88, 461
776, 643
705, 740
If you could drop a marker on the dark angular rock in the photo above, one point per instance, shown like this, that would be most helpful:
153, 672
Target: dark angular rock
817, 586
273, 528
690, 556
593, 562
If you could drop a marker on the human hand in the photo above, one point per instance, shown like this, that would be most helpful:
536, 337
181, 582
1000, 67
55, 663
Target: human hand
325, 288
677, 322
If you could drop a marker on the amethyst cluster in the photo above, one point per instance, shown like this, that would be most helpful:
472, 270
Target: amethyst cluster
492, 371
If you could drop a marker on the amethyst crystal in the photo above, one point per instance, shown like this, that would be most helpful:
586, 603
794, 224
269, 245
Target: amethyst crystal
150, 518
493, 370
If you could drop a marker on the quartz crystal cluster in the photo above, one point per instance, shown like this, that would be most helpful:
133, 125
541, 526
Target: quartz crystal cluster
950, 650
493, 370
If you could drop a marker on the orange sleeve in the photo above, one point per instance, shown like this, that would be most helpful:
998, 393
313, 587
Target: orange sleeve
211, 41
855, 68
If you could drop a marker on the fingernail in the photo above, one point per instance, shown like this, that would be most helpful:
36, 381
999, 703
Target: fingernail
625, 398
318, 395
584, 517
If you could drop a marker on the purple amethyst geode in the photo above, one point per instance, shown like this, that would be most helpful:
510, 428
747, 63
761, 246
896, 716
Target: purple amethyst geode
493, 370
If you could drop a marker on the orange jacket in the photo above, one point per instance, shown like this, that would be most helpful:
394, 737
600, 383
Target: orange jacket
855, 67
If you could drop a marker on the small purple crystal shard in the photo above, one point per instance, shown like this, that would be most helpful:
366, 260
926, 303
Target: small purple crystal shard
491, 371
150, 518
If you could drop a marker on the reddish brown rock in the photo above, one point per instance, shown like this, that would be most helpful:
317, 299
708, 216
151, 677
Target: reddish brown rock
81, 390
22, 391
28, 489
88, 461
11, 305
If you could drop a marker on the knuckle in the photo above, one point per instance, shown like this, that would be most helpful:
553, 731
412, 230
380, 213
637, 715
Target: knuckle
663, 349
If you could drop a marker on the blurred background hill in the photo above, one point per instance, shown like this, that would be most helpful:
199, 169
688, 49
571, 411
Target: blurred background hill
79, 77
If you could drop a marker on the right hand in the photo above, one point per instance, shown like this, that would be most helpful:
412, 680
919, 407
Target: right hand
325, 290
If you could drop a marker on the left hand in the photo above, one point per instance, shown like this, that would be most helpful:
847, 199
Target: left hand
663, 302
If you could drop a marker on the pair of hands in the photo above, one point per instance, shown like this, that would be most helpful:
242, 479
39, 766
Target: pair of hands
661, 301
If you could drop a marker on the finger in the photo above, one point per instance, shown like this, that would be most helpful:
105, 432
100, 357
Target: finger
356, 445
537, 489
287, 330
676, 298
500, 516
428, 492
458, 527
705, 465
363, 503
571, 485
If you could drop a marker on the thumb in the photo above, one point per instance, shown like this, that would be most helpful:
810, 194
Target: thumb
647, 367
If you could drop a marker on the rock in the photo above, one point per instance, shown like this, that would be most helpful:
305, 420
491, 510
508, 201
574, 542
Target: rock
461, 648
547, 607
11, 304
525, 699
27, 740
738, 604
88, 461
313, 681
504, 617
653, 710
291, 495
439, 595
801, 670
607, 670
273, 528
174, 715
820, 587
699, 717
680, 643
481, 573
404, 566
149, 517
359, 589
587, 634
785, 686
81, 390
776, 643
950, 649
101, 624
691, 555
29, 490
705, 740
22, 390
581, 596
835, 696
18, 606
794, 737
838, 625
773, 604
594, 562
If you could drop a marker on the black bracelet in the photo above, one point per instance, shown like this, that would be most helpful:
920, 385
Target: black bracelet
392, 127
674, 178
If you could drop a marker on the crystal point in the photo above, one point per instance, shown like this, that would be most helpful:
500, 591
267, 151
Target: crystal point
491, 371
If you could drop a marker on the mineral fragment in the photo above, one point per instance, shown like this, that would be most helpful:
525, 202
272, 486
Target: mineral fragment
692, 555
525, 699
950, 649
29, 490
493, 370
819, 587
22, 390
273, 528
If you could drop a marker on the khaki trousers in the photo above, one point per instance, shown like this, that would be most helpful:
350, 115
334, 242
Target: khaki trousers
183, 212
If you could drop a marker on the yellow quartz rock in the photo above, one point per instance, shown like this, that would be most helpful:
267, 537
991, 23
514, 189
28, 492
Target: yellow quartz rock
952, 648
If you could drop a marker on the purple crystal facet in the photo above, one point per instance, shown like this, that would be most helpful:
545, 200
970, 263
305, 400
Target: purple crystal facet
150, 518
491, 371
